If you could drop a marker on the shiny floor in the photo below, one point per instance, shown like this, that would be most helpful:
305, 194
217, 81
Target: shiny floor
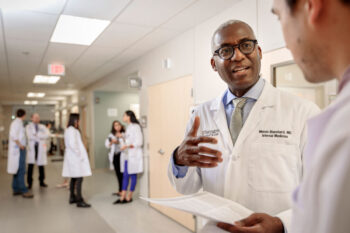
49, 211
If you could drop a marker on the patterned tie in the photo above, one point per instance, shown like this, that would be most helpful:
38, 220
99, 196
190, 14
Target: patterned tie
236, 122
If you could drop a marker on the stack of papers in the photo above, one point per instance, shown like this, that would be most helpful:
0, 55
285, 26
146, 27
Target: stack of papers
206, 205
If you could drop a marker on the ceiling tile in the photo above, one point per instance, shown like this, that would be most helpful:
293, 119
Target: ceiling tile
98, 9
121, 35
27, 25
3, 64
23, 68
198, 13
62, 54
152, 12
93, 58
155, 39
25, 48
49, 6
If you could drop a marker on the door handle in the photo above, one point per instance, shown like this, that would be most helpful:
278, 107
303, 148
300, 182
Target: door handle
161, 152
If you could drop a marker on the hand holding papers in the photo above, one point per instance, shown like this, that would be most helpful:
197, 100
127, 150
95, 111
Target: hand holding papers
206, 205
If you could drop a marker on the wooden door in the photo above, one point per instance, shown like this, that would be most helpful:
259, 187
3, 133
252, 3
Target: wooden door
169, 111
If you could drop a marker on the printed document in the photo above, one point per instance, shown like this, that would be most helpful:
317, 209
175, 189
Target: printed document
206, 205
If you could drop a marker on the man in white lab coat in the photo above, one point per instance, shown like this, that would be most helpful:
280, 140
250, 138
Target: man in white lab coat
318, 34
37, 149
247, 144
16, 163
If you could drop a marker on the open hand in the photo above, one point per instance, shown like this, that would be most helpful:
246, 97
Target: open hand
190, 153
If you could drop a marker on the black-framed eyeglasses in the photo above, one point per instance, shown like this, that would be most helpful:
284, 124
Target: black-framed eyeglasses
226, 52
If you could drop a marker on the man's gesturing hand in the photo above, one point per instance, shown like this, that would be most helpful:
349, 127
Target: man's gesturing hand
255, 223
190, 153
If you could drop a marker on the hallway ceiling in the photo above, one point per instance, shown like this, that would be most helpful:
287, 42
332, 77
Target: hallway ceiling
137, 26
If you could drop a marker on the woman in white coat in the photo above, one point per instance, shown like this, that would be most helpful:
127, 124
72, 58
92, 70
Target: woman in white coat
114, 143
76, 162
132, 156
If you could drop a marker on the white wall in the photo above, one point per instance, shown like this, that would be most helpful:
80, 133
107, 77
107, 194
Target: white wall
190, 54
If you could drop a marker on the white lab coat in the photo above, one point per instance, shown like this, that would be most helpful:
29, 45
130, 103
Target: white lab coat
17, 132
76, 160
113, 148
39, 137
134, 156
322, 202
263, 168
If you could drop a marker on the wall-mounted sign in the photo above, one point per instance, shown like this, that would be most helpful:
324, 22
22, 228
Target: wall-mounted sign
97, 100
112, 112
56, 69
143, 121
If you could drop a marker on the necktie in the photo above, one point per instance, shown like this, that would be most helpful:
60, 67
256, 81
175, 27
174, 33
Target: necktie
36, 132
236, 122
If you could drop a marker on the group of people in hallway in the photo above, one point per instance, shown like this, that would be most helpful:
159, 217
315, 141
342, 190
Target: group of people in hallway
125, 155
272, 152
27, 145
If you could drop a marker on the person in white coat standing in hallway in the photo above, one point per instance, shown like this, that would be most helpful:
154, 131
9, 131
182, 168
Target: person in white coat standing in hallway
37, 135
114, 143
246, 145
318, 33
132, 156
76, 163
16, 161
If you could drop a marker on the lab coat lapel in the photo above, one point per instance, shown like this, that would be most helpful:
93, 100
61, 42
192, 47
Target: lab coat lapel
265, 102
220, 119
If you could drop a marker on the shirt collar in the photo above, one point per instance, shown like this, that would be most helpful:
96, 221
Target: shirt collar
253, 93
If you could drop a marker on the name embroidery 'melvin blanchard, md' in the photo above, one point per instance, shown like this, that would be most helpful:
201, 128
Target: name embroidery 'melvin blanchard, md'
275, 133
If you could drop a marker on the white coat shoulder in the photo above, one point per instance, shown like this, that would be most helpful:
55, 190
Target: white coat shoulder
71, 130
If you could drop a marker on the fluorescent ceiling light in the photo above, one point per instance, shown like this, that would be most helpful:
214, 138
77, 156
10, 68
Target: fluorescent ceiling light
78, 30
28, 102
44, 79
35, 95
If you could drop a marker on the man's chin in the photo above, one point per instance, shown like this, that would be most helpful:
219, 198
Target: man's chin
241, 86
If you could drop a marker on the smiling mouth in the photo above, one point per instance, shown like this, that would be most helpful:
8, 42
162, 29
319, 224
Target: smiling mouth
240, 69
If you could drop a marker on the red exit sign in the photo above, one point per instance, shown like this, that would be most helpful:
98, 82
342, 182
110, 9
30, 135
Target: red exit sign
56, 69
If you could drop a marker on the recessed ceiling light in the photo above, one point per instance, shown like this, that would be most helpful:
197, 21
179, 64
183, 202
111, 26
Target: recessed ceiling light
28, 102
78, 30
44, 79
35, 95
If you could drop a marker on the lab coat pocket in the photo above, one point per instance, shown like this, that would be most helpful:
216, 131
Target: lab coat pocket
273, 167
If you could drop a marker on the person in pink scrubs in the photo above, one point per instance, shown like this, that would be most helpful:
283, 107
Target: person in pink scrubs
318, 34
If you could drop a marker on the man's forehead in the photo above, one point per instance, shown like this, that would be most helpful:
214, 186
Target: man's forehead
233, 33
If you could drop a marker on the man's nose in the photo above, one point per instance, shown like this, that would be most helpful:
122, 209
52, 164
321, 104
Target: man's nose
237, 55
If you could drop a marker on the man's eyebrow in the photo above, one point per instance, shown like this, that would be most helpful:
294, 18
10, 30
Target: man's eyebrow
240, 41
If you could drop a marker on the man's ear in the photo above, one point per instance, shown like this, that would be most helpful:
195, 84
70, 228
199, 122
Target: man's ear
213, 65
314, 10
260, 52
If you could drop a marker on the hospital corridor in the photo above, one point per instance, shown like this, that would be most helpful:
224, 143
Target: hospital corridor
174, 116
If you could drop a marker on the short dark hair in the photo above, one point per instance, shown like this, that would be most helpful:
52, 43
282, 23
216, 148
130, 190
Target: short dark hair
20, 112
73, 118
292, 3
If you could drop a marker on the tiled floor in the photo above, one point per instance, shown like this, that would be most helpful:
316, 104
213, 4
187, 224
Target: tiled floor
49, 211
